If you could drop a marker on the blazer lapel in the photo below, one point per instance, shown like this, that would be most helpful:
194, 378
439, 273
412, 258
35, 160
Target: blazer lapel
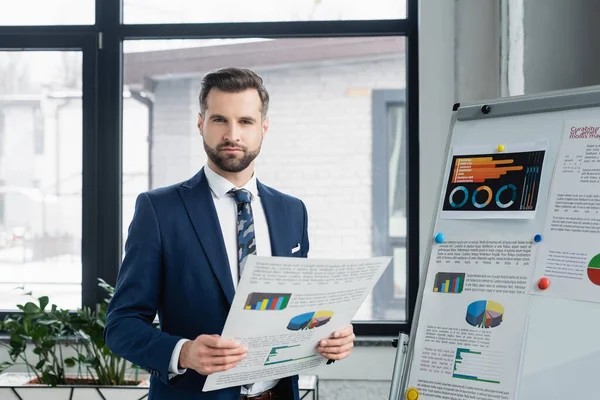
275, 213
197, 198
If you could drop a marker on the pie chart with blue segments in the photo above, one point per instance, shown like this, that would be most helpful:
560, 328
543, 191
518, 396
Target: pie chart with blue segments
309, 320
485, 314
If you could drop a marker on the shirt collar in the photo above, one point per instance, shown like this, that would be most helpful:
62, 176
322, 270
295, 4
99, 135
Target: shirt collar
220, 186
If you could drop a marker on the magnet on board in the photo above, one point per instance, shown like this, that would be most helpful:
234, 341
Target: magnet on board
543, 283
500, 148
412, 394
537, 238
439, 238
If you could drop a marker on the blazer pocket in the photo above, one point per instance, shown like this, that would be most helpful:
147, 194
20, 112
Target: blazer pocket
296, 249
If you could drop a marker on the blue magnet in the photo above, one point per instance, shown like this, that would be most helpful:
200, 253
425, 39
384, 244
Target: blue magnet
439, 238
537, 238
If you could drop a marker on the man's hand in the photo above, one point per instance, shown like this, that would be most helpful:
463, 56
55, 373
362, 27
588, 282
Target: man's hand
208, 354
339, 345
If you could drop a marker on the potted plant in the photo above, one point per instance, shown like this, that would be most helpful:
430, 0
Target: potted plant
64, 350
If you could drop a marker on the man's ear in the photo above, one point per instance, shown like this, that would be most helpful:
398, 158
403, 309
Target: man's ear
265, 126
200, 124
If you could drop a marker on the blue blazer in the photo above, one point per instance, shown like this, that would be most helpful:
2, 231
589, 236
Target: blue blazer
176, 265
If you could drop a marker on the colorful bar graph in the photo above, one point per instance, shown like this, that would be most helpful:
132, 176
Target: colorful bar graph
273, 303
480, 169
267, 301
479, 366
449, 282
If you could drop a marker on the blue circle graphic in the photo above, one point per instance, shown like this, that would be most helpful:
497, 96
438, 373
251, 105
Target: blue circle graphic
451, 197
514, 196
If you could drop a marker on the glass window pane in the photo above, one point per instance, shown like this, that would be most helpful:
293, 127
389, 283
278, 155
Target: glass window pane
319, 145
400, 273
44, 12
190, 11
40, 177
397, 170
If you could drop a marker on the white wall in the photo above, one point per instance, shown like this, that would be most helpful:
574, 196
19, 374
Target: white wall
459, 61
560, 44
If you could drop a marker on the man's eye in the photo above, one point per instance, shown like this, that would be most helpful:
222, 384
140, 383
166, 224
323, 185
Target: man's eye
247, 122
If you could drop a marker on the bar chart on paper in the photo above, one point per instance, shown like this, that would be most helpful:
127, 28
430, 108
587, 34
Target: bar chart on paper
267, 301
448, 282
483, 366
494, 182
284, 354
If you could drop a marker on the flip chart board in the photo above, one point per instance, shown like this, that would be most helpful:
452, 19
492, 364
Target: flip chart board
509, 301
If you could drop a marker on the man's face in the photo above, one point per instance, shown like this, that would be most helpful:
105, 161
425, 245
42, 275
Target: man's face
232, 128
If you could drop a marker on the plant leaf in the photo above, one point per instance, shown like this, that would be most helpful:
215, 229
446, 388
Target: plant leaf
70, 362
31, 308
43, 301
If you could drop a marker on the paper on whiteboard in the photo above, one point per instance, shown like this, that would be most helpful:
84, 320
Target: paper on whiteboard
570, 247
472, 320
284, 306
485, 183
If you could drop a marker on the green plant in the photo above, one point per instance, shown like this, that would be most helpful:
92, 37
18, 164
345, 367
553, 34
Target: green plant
89, 326
49, 330
46, 330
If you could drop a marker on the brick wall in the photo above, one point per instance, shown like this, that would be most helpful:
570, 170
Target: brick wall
318, 146
174, 130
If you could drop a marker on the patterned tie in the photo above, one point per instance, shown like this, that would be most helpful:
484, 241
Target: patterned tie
246, 240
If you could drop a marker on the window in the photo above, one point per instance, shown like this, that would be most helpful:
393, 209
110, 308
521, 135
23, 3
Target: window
2, 185
330, 81
95, 109
188, 11
389, 200
43, 12
2, 129
38, 131
41, 191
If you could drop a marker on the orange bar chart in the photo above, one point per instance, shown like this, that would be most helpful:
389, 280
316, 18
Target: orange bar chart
480, 169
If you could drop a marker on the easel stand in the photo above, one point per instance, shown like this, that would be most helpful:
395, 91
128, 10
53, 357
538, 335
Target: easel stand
399, 366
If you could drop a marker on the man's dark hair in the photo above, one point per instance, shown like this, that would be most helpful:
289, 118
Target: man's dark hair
233, 80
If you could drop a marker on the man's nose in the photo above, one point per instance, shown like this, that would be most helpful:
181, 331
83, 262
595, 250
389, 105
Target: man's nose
233, 133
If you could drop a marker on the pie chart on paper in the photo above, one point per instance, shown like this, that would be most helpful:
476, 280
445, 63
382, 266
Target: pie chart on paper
594, 270
310, 320
485, 314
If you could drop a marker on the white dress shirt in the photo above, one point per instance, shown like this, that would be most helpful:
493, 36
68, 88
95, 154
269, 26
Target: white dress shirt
227, 214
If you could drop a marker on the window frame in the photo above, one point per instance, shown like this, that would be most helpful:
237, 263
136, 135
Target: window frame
102, 46
15, 39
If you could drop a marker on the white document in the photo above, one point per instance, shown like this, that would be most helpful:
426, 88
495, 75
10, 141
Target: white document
570, 247
472, 319
485, 183
283, 307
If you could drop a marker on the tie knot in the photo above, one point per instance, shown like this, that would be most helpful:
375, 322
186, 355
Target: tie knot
241, 196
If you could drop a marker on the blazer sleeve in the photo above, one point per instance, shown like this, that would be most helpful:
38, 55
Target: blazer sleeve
131, 312
305, 243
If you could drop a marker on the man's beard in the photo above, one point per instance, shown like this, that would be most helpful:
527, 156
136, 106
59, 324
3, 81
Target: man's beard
231, 162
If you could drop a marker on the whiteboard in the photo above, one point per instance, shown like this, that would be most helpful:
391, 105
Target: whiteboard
561, 348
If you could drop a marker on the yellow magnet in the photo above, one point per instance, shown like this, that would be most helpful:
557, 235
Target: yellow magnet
500, 147
412, 394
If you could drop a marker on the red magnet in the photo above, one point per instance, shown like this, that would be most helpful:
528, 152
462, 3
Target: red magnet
544, 283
